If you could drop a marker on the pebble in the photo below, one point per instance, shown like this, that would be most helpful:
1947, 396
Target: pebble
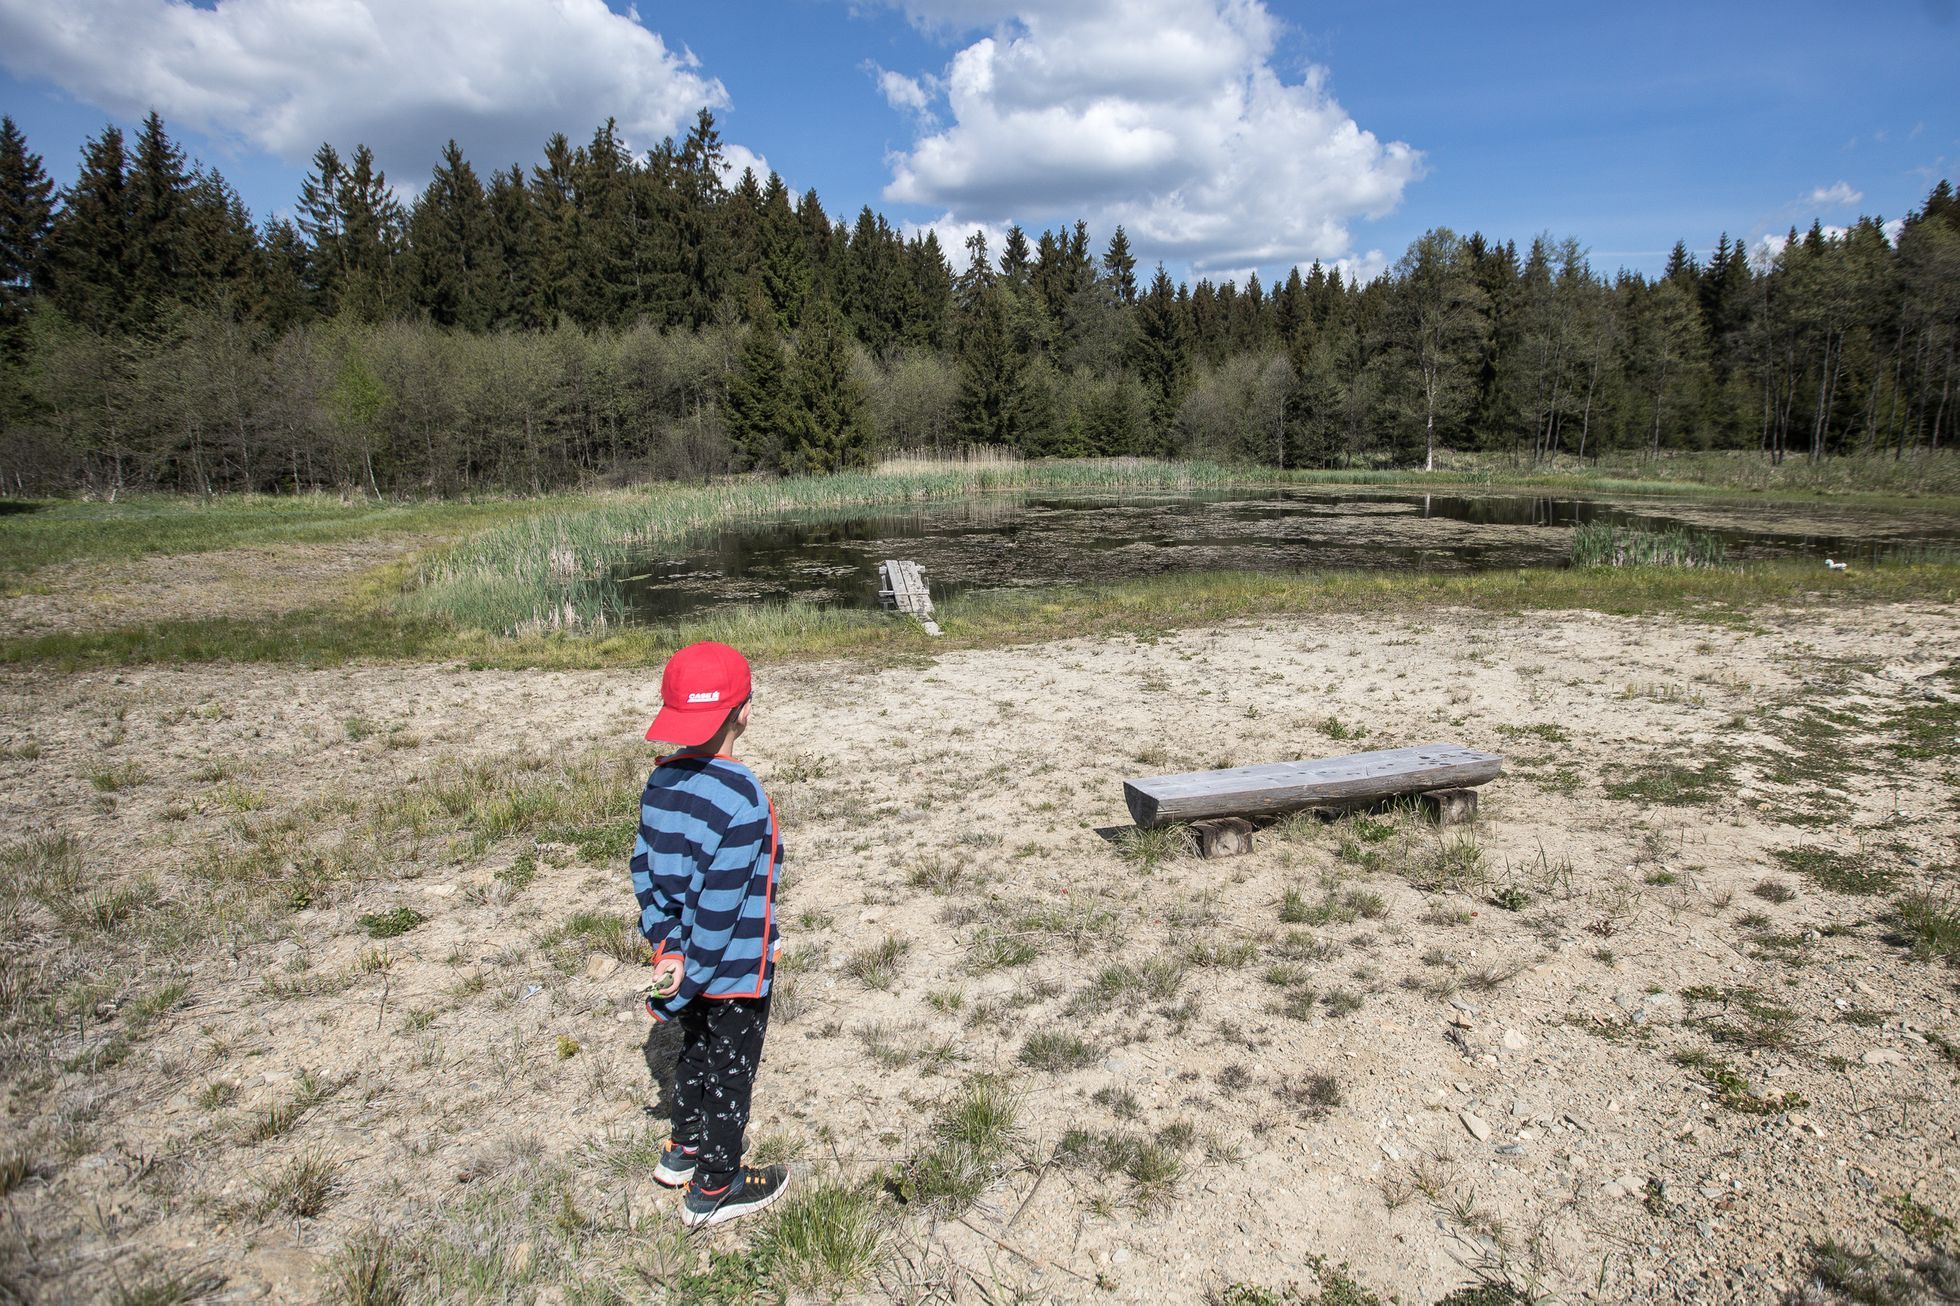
439, 890
1475, 1124
1514, 1041
1625, 1186
598, 966
1883, 1057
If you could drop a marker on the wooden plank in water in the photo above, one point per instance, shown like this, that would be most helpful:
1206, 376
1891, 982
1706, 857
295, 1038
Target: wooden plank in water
903, 587
1290, 786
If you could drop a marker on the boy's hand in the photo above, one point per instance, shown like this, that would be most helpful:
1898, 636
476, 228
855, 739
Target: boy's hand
666, 977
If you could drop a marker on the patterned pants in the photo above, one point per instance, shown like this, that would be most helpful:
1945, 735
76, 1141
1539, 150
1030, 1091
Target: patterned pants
721, 1050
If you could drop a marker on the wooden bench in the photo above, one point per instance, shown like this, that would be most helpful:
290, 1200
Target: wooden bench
902, 586
1218, 803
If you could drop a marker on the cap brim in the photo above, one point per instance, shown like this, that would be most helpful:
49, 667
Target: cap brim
687, 729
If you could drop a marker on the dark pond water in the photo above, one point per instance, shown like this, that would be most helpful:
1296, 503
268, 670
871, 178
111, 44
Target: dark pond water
993, 542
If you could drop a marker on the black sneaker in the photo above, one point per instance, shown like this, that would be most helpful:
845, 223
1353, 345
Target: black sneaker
750, 1190
676, 1165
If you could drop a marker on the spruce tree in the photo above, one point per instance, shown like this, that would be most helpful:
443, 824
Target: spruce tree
371, 241
90, 260
826, 429
320, 224
554, 191
26, 218
516, 299
607, 271
1120, 266
218, 256
928, 293
1161, 355
158, 188
282, 301
989, 405
451, 246
787, 272
757, 409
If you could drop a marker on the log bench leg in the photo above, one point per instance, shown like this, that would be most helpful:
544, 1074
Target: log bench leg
1450, 806
1227, 836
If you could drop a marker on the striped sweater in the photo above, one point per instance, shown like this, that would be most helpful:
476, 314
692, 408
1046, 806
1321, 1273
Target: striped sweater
704, 872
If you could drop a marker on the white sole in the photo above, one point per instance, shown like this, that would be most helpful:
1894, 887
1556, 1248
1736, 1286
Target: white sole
677, 1181
721, 1213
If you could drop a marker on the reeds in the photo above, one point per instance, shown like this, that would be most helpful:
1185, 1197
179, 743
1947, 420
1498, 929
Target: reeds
1597, 544
555, 571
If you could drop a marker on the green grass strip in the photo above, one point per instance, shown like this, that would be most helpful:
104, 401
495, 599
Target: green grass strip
773, 633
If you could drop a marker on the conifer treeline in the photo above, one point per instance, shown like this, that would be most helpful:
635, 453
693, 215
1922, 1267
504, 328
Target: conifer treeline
613, 315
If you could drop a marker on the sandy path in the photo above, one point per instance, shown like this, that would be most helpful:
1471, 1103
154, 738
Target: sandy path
928, 801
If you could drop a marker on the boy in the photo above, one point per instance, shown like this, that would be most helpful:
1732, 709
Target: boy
704, 871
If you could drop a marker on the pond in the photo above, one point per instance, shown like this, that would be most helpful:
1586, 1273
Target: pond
993, 542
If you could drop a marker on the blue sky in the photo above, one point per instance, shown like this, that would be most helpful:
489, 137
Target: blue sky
1225, 134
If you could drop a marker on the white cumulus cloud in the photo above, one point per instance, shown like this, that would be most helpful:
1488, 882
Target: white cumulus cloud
1167, 116
902, 92
399, 75
1838, 193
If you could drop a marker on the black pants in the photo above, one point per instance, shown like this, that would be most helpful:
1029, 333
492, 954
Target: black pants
721, 1050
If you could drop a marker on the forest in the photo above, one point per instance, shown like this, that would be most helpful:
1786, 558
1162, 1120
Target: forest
607, 316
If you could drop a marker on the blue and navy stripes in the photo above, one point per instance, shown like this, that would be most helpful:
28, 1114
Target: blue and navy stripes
704, 872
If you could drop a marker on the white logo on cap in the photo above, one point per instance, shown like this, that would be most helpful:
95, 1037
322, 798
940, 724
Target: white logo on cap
712, 696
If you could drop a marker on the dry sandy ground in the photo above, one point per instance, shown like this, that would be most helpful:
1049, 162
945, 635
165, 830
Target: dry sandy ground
1510, 1098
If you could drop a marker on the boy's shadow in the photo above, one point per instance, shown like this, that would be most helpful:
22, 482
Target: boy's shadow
662, 1051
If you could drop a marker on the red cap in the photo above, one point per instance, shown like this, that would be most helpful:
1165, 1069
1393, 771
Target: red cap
700, 686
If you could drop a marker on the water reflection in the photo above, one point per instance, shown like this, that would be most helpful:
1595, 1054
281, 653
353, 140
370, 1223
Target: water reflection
1004, 541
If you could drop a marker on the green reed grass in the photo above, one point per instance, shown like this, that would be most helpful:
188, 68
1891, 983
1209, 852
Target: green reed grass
554, 571
1597, 544
1144, 606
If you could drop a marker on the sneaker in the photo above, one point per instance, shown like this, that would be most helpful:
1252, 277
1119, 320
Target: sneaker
676, 1165
750, 1190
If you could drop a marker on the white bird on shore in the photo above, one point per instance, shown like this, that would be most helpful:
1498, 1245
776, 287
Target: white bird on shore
1836, 566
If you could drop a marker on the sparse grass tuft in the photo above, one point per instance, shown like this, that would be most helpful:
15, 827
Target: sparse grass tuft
605, 933
1342, 1002
876, 967
992, 948
392, 923
367, 1272
1152, 1165
1846, 873
1335, 906
1157, 977
971, 1138
1670, 784
1055, 1050
1929, 926
1455, 864
1148, 848
823, 1240
302, 1188
1315, 1094
1733, 1091
1920, 1222
16, 1168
